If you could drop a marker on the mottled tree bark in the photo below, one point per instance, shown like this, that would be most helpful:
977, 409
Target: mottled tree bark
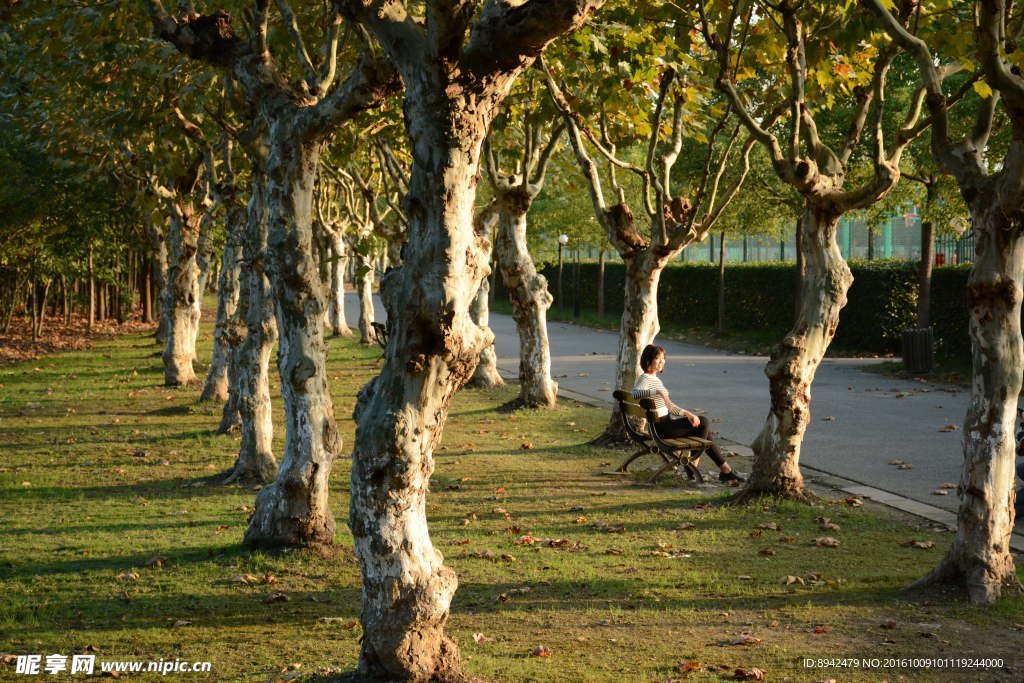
294, 510
215, 388
793, 363
528, 292
336, 307
486, 374
183, 300
255, 461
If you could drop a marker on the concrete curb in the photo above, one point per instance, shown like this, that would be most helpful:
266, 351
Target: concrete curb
824, 478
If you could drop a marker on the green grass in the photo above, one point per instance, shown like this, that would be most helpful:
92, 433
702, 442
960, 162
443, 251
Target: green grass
80, 506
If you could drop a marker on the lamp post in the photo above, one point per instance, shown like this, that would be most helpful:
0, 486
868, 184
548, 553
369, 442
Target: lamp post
576, 283
563, 240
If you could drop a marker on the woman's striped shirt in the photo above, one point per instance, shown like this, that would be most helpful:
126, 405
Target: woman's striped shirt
648, 386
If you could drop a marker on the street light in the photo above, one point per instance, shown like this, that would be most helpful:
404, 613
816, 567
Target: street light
563, 240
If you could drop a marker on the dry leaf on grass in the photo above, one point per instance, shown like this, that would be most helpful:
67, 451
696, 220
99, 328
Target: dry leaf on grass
827, 542
276, 597
827, 524
948, 428
686, 526
128, 576
613, 551
772, 526
156, 562
687, 667
924, 545
744, 639
789, 580
751, 674
181, 622
541, 651
482, 639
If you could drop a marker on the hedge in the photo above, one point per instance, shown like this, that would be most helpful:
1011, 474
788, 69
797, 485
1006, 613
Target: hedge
760, 296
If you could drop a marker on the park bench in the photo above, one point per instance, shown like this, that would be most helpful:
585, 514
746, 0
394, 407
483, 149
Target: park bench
675, 453
381, 332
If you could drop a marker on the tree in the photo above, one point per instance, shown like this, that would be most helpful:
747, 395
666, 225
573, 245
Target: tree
300, 114
457, 67
819, 173
675, 221
979, 560
527, 289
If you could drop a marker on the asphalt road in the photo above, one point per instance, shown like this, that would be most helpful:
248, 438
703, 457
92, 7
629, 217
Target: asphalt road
860, 421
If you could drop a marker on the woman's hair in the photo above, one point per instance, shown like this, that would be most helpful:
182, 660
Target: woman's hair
649, 355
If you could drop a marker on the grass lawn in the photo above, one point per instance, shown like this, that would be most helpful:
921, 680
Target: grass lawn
113, 537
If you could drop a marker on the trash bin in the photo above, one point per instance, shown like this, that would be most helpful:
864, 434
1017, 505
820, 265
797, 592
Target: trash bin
918, 350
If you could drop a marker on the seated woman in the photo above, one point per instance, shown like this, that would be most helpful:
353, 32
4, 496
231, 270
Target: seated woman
673, 421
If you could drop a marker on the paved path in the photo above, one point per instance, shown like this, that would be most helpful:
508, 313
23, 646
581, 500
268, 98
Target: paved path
858, 425
860, 421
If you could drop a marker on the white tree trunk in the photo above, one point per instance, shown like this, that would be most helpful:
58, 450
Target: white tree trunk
486, 374
794, 361
639, 327
294, 509
216, 385
182, 301
364, 285
255, 462
432, 351
979, 559
160, 258
528, 291
336, 308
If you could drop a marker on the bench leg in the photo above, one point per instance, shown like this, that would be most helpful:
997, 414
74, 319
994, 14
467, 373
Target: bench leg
625, 463
668, 465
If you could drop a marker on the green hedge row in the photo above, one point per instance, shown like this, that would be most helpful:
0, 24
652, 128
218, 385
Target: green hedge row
760, 296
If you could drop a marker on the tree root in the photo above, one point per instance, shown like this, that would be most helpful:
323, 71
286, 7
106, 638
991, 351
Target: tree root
748, 495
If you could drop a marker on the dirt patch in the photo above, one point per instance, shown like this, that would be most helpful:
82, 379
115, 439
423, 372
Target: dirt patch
17, 346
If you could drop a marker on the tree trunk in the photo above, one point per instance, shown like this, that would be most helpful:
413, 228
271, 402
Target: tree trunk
528, 293
721, 281
336, 308
160, 269
432, 351
255, 462
776, 469
486, 374
801, 266
364, 285
924, 278
38, 332
91, 320
216, 385
979, 559
638, 329
294, 509
183, 297
600, 284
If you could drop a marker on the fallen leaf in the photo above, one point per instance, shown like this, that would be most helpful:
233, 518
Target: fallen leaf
787, 539
891, 624
482, 639
508, 558
744, 639
765, 551
895, 462
820, 629
756, 533
827, 542
827, 524
542, 651
687, 667
924, 545
484, 554
773, 526
130, 576
526, 446
829, 418
905, 467
789, 580
276, 597
181, 622
461, 541
940, 492
580, 520
686, 526
948, 485
247, 579
948, 428
613, 551
751, 674
156, 562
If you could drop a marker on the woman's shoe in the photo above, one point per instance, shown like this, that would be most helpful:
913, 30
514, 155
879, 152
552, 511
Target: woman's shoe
731, 476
